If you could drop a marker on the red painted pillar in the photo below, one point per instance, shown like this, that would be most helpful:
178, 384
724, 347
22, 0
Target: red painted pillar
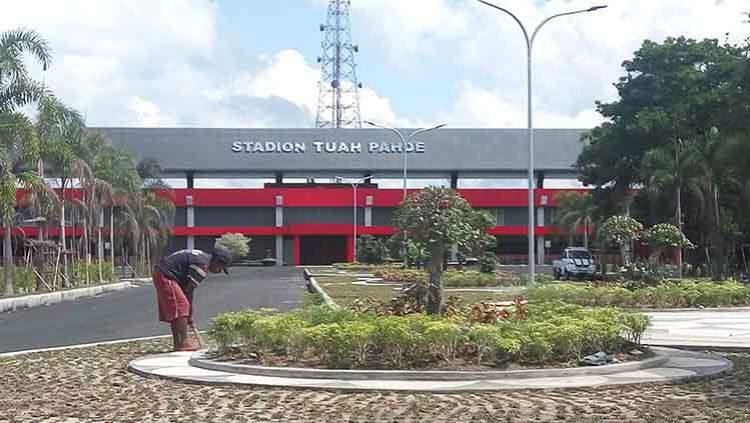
350, 248
296, 250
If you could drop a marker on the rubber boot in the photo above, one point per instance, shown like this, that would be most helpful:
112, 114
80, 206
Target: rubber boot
183, 341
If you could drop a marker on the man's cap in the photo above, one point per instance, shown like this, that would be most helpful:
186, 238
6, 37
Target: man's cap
223, 256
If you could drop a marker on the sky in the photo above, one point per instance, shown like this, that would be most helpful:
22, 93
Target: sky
252, 63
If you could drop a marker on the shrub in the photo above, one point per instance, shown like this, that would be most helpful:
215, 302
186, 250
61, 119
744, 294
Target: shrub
451, 278
488, 262
444, 339
551, 332
371, 250
667, 295
641, 275
237, 244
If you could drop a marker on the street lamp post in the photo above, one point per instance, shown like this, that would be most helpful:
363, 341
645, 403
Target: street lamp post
354, 183
405, 141
529, 102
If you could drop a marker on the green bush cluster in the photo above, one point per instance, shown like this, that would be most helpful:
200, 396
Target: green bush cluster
488, 262
24, 278
339, 338
667, 295
371, 250
451, 278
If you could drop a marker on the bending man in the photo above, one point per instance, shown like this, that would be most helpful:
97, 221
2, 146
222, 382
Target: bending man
175, 279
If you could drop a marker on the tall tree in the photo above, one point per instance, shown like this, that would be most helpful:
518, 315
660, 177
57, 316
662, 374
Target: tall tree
667, 95
19, 143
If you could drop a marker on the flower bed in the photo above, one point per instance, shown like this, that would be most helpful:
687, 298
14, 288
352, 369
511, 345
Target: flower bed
667, 295
451, 278
320, 336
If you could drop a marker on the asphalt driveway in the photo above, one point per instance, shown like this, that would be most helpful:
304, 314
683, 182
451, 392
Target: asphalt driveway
132, 313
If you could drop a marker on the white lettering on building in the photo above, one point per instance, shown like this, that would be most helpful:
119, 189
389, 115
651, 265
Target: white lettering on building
325, 147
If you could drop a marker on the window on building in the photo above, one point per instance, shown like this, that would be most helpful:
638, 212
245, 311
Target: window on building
469, 183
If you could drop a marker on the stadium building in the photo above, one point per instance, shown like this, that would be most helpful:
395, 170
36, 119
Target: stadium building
279, 186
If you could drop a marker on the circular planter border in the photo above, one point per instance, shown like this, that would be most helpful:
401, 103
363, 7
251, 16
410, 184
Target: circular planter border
200, 360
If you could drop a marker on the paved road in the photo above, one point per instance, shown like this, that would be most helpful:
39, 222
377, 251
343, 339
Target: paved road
132, 313
726, 328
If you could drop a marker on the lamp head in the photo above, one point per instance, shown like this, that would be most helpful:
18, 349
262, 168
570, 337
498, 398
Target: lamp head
595, 8
370, 123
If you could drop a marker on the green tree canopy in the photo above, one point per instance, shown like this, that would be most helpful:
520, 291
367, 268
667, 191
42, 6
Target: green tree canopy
438, 218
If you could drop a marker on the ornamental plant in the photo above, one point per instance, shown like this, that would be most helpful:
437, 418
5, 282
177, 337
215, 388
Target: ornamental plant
437, 218
664, 236
371, 250
237, 244
621, 230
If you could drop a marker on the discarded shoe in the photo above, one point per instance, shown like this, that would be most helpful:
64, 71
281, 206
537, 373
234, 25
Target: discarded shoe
599, 359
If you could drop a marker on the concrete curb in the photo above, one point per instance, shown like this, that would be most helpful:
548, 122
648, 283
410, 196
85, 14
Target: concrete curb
315, 288
37, 300
681, 366
199, 360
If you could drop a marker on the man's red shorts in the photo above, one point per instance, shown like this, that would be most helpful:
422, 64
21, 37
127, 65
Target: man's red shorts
172, 302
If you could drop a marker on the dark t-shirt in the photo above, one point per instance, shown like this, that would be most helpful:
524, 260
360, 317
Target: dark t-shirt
185, 267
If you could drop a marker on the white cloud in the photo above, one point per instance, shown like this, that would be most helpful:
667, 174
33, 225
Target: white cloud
160, 63
576, 58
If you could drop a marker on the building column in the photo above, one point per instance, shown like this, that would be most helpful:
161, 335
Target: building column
540, 249
368, 211
296, 251
350, 248
190, 179
190, 211
279, 250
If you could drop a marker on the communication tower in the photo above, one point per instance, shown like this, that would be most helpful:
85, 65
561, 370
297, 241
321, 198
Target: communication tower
338, 88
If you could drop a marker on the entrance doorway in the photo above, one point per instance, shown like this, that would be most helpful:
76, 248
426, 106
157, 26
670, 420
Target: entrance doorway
322, 250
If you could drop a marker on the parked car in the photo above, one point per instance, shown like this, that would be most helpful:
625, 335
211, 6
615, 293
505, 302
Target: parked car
575, 263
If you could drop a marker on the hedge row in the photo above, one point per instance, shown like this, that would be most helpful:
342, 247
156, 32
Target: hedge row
339, 338
451, 278
668, 295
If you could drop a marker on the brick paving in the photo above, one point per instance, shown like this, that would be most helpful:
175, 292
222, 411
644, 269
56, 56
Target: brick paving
92, 385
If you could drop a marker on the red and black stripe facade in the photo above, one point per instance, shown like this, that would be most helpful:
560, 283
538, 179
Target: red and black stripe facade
285, 222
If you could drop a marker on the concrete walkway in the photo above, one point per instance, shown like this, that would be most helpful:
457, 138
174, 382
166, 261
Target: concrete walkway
712, 328
679, 365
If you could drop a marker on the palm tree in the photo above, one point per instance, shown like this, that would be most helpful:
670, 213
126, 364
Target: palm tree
117, 168
60, 129
19, 146
675, 169
148, 219
576, 210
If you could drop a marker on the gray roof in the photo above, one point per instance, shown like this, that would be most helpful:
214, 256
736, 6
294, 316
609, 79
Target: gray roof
449, 149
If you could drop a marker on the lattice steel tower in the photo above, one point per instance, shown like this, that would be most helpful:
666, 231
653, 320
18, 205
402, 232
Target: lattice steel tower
338, 98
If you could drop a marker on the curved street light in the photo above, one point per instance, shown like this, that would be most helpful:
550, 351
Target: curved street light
405, 141
529, 101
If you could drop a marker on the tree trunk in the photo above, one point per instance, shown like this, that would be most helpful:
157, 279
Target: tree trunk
435, 288
678, 218
8, 257
624, 254
99, 245
586, 234
112, 238
62, 240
